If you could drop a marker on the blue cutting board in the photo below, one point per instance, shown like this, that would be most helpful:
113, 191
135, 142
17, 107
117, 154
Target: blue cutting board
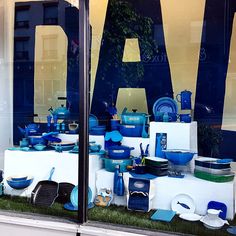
163, 215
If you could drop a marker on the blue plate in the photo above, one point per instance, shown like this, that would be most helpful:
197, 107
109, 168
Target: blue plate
74, 196
165, 104
70, 207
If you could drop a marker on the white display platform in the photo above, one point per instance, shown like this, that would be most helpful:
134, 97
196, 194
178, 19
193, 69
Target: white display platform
38, 164
167, 188
179, 136
135, 142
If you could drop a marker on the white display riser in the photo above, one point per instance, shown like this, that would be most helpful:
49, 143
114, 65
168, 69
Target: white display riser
167, 188
179, 136
39, 165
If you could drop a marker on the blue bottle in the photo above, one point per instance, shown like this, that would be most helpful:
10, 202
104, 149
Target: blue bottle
116, 174
120, 185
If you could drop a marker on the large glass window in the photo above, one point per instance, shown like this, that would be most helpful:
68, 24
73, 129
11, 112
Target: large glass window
161, 107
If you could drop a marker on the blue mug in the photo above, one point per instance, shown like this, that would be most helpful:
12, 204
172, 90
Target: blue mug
185, 100
186, 118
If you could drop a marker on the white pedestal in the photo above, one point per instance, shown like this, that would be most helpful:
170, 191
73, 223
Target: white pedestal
38, 164
179, 136
167, 188
135, 142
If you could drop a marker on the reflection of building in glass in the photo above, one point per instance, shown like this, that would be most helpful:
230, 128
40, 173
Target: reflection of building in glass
45, 44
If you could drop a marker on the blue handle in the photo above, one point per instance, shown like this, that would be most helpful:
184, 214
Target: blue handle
51, 173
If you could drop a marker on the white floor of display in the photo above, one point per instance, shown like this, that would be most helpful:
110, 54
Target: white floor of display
166, 188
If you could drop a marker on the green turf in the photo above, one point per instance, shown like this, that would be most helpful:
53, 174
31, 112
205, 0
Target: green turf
115, 215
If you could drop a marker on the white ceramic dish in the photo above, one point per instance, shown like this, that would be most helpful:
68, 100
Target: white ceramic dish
213, 223
190, 216
183, 203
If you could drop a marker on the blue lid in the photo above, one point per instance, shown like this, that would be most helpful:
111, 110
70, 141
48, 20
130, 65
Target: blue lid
115, 136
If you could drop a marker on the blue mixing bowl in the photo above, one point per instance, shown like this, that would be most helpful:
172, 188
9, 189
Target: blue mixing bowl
179, 157
20, 184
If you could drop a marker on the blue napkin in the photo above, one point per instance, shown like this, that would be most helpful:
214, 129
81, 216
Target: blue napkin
143, 176
163, 215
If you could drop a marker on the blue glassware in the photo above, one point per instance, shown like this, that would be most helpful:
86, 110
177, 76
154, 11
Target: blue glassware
120, 185
116, 174
185, 99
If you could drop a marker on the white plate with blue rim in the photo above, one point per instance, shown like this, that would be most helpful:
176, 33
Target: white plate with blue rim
183, 203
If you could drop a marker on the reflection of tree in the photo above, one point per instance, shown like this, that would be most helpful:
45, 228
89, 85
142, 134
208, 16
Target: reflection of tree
124, 22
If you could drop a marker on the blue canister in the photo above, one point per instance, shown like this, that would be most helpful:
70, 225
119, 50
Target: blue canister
116, 174
161, 144
185, 99
120, 185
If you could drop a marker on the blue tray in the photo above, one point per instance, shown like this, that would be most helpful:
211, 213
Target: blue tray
163, 215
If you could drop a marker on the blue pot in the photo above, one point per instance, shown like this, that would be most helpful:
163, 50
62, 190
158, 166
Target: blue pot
133, 118
119, 152
110, 164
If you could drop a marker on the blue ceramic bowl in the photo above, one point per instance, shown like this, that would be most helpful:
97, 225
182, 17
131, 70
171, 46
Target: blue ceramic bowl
74, 196
178, 157
18, 178
20, 184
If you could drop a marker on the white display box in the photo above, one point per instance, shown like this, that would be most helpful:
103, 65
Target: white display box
166, 188
39, 164
179, 136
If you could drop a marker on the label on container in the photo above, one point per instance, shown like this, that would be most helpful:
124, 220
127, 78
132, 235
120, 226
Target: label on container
118, 151
117, 161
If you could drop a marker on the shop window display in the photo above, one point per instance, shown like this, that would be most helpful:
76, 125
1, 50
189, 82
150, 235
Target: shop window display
161, 121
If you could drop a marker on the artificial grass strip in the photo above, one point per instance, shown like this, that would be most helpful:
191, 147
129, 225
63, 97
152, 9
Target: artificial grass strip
114, 215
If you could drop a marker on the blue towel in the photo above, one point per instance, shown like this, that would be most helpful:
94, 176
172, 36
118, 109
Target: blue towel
143, 176
163, 215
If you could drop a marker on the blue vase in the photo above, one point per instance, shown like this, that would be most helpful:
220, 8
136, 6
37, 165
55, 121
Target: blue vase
116, 174
120, 185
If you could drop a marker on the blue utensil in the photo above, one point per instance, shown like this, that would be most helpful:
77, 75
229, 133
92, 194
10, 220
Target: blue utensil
165, 104
141, 149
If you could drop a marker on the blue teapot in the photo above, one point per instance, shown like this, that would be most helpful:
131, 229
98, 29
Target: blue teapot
61, 112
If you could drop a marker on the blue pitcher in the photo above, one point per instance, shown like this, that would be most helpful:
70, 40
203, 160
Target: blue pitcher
185, 99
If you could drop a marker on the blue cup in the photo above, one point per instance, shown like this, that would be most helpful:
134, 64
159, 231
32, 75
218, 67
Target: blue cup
185, 99
186, 118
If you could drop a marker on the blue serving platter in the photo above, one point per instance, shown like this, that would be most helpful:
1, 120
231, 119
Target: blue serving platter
165, 104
